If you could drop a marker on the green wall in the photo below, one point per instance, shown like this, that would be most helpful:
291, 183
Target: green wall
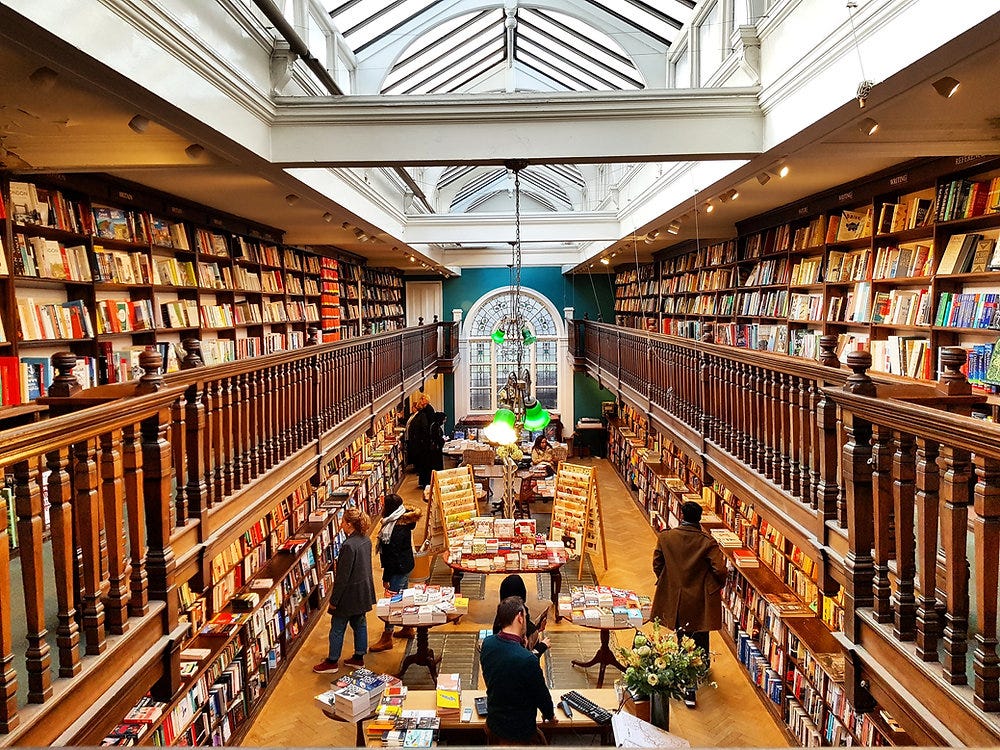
590, 295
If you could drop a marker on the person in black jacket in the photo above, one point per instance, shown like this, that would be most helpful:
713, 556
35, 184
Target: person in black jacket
395, 551
418, 440
534, 639
353, 593
437, 442
515, 686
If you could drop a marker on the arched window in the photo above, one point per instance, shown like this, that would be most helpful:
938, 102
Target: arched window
490, 363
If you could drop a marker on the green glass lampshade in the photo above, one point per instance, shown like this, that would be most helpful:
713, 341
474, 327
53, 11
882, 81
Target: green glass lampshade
536, 418
502, 430
498, 336
528, 337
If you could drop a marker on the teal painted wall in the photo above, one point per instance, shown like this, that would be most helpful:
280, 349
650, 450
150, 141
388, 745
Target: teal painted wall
590, 295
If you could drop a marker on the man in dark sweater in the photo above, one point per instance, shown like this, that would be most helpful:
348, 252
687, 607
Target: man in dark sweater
515, 686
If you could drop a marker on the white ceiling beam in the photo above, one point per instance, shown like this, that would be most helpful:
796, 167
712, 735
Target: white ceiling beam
566, 127
480, 228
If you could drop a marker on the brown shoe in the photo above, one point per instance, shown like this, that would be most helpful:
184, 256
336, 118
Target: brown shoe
384, 643
406, 632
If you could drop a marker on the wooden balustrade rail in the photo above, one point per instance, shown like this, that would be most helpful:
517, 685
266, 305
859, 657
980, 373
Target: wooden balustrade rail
882, 459
103, 490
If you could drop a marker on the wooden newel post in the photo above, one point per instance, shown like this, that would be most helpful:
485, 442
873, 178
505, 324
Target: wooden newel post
64, 384
828, 350
314, 336
951, 380
152, 376
708, 334
192, 354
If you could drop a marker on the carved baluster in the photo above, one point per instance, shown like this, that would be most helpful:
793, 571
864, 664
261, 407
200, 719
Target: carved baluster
954, 524
788, 439
805, 407
239, 422
197, 455
212, 439
86, 504
270, 424
857, 478
986, 526
286, 409
192, 354
927, 480
746, 401
9, 720
760, 424
256, 424
178, 441
903, 494
28, 505
133, 479
63, 559
246, 427
113, 497
882, 502
228, 448
299, 425
156, 477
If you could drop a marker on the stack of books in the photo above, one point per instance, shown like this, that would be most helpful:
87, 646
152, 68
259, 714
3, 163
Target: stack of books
136, 723
449, 696
354, 696
727, 539
498, 544
605, 607
422, 605
744, 558
415, 728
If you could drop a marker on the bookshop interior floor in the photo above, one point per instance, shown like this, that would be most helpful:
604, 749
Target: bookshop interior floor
730, 715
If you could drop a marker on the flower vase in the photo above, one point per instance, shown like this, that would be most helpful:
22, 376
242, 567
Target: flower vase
659, 710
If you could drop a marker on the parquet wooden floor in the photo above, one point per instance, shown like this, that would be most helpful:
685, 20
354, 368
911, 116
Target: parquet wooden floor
728, 716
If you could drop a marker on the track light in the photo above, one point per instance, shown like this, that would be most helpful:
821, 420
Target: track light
360, 234
783, 172
946, 86
413, 259
139, 123
605, 261
43, 78
868, 126
729, 195
734, 194
195, 151
291, 199
327, 217
674, 228
763, 178
709, 207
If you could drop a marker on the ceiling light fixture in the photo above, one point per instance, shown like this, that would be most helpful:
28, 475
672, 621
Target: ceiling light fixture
783, 172
43, 78
413, 259
139, 123
868, 127
605, 261
291, 199
709, 207
674, 228
195, 151
763, 178
866, 86
946, 86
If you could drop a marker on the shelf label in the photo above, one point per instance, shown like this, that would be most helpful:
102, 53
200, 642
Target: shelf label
175, 211
125, 196
848, 196
900, 179
804, 210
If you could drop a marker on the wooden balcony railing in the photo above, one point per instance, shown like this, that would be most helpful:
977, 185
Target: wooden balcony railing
119, 493
891, 484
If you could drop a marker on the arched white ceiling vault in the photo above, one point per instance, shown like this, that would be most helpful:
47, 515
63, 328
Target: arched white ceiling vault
457, 46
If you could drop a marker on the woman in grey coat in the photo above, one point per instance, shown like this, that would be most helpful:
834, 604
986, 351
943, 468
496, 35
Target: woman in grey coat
353, 593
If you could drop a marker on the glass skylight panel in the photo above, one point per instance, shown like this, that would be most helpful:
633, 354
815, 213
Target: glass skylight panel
365, 21
432, 47
567, 66
556, 75
463, 77
453, 173
586, 39
601, 77
468, 52
660, 19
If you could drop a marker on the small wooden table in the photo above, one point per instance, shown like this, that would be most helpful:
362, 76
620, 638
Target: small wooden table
423, 655
604, 656
554, 571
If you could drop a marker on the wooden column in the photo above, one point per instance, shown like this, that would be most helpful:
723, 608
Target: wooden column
63, 559
113, 498
927, 484
903, 495
882, 503
9, 720
86, 503
954, 523
28, 506
986, 526
157, 472
138, 604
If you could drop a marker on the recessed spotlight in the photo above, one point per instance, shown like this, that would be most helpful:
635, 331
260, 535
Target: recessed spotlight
605, 261
868, 126
327, 217
195, 151
783, 172
291, 199
674, 228
413, 259
139, 123
946, 86
43, 78
709, 207
734, 194
763, 178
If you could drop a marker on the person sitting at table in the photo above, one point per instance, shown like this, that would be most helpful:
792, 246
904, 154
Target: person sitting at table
515, 685
534, 638
541, 455
395, 551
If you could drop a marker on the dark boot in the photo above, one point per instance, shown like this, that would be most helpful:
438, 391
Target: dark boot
384, 643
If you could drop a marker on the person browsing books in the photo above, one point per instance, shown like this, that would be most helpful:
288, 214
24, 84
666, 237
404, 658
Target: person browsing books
353, 593
395, 551
541, 454
690, 572
515, 686
534, 639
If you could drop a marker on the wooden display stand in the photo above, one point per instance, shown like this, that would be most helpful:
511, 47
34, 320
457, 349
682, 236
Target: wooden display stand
576, 512
454, 502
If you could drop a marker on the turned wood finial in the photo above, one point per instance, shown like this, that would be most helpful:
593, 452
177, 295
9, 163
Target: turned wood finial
828, 350
192, 356
859, 383
64, 384
152, 372
314, 336
435, 318
708, 333
951, 379
420, 321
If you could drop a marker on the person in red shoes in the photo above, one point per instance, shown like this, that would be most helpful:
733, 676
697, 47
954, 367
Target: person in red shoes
395, 551
353, 593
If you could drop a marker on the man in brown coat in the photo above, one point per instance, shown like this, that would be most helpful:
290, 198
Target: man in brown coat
690, 573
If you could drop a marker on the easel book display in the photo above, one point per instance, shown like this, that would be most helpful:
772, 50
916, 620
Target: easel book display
576, 513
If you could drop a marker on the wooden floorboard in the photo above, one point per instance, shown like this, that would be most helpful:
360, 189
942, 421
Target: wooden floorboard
730, 715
